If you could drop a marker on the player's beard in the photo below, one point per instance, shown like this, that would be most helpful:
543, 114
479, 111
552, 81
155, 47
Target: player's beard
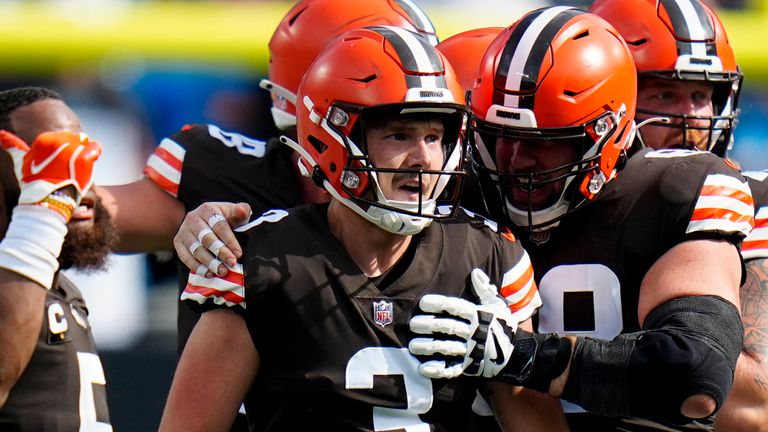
87, 248
697, 138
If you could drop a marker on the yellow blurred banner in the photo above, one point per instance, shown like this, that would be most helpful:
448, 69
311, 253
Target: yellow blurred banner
49, 37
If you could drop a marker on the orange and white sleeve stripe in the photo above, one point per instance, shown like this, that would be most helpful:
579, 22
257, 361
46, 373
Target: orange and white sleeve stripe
164, 166
228, 290
756, 243
519, 288
725, 204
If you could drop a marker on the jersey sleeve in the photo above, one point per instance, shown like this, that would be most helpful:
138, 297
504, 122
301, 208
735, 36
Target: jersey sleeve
515, 275
164, 166
756, 244
704, 197
203, 162
202, 294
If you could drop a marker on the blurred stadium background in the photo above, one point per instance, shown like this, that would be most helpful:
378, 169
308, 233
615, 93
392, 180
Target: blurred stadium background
136, 71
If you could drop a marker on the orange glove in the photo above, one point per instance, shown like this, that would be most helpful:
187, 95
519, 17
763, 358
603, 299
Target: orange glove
16, 148
56, 160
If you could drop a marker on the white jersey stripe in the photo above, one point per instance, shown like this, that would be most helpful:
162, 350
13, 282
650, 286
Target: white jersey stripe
729, 212
756, 243
724, 202
164, 169
173, 148
757, 175
229, 290
216, 283
760, 233
522, 292
754, 254
528, 310
518, 271
719, 225
726, 180
199, 298
761, 215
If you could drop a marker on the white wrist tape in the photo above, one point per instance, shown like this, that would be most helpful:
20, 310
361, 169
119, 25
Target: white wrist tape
32, 244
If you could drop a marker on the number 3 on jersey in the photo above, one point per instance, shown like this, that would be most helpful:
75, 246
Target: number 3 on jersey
371, 361
581, 299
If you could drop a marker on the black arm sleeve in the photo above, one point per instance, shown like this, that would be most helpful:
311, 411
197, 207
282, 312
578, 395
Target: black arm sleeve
688, 346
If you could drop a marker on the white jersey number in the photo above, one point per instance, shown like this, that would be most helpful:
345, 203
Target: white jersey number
392, 361
91, 373
243, 144
581, 300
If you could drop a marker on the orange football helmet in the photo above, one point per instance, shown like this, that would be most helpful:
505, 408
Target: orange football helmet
361, 76
558, 75
681, 40
465, 50
310, 25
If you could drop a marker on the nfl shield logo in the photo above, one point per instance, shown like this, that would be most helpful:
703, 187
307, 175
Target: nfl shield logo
382, 313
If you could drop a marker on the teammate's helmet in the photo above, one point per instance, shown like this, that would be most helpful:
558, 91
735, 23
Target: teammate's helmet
558, 75
465, 50
681, 40
368, 74
310, 25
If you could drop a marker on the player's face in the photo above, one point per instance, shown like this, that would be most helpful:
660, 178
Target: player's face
42, 116
523, 158
407, 144
690, 98
90, 236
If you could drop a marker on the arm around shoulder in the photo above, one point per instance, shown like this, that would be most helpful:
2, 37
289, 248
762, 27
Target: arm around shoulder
145, 215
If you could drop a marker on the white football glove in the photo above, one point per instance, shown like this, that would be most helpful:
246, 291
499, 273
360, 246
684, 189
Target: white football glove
485, 330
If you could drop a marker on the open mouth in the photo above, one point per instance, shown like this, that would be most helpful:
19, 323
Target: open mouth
524, 184
412, 190
84, 212
411, 187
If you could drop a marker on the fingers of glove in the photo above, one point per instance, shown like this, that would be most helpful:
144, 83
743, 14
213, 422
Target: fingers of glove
428, 324
428, 346
55, 160
16, 148
10, 141
483, 288
459, 307
437, 369
84, 163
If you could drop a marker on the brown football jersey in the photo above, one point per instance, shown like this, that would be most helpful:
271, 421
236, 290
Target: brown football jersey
63, 386
334, 343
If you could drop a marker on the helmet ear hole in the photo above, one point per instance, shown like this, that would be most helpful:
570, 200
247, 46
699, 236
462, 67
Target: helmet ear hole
317, 144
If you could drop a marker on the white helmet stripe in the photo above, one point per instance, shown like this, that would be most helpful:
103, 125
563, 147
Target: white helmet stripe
416, 56
523, 51
421, 20
696, 29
